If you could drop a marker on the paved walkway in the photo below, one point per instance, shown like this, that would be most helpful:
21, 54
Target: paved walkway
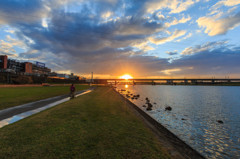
9, 112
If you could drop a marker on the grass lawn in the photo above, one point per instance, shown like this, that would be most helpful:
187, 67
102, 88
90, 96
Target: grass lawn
13, 96
95, 125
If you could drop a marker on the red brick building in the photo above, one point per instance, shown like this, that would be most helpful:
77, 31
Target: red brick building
28, 67
3, 61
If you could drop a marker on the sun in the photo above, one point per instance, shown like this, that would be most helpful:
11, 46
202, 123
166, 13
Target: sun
126, 77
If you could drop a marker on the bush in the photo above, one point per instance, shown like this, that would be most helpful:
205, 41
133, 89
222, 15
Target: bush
3, 79
23, 80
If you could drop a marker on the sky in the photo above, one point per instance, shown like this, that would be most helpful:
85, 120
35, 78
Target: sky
143, 38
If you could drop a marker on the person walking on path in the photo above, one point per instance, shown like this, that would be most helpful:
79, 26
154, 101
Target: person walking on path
72, 91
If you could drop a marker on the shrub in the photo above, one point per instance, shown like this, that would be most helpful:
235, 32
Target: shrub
23, 80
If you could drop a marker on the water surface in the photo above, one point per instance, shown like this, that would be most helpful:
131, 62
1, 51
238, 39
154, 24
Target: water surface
194, 115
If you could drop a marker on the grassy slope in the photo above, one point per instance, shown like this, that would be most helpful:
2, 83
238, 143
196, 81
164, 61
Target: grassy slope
96, 125
19, 95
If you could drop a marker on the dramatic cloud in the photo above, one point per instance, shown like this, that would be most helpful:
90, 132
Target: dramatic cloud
75, 34
14, 42
169, 72
176, 6
172, 52
175, 34
228, 3
210, 62
113, 37
144, 46
13, 11
215, 26
185, 37
176, 21
7, 48
179, 6
201, 48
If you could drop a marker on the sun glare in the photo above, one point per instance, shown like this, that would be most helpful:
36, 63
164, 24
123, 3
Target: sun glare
126, 77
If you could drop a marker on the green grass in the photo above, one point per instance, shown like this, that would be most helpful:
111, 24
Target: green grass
13, 96
93, 126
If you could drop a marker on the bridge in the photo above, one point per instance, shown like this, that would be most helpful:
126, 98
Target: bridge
167, 81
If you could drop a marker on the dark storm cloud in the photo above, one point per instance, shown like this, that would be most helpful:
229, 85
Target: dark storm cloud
209, 62
24, 11
77, 33
88, 42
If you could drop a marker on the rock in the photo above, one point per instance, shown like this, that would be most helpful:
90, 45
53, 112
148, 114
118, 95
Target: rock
147, 101
150, 105
135, 97
144, 105
154, 103
220, 121
168, 108
148, 109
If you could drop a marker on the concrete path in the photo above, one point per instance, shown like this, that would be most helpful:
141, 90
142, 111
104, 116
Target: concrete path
9, 112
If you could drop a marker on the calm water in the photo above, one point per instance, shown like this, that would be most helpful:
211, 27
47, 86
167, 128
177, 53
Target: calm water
194, 115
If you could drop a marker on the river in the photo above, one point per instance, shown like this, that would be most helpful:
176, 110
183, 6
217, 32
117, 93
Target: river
195, 113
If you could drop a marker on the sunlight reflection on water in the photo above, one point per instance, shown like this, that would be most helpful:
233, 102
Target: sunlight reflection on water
194, 115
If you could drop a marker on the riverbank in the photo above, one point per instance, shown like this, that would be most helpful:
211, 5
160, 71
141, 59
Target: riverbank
173, 143
13, 96
96, 125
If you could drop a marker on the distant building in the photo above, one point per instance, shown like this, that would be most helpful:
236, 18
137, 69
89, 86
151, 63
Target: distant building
28, 68
40, 70
9, 65
63, 76
58, 75
3, 62
73, 77
15, 66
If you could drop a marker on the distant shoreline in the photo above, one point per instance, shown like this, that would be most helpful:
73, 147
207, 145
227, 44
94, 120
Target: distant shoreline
179, 84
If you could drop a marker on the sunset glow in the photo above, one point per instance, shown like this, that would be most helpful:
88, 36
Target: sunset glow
126, 77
